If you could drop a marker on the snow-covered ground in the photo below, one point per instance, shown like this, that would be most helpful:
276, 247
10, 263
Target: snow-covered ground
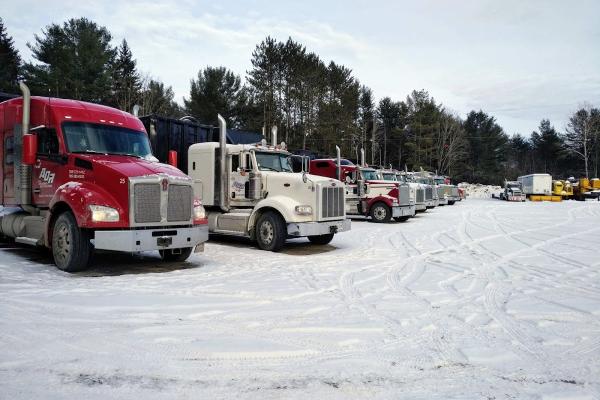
483, 299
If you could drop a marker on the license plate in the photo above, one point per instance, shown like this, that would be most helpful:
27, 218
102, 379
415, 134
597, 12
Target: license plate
164, 241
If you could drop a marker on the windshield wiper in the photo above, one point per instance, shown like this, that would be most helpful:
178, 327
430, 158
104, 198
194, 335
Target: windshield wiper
88, 152
269, 168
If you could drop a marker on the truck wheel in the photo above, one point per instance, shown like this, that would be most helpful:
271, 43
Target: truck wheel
450, 202
169, 255
270, 231
380, 212
321, 239
71, 246
402, 219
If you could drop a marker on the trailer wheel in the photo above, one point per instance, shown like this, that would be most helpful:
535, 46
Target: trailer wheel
71, 246
271, 231
321, 239
170, 256
380, 212
402, 219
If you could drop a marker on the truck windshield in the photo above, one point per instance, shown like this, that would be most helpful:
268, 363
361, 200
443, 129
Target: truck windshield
105, 139
389, 177
369, 174
273, 162
440, 181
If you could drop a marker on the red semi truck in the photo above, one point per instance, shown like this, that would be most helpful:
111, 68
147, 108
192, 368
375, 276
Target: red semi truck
78, 176
366, 194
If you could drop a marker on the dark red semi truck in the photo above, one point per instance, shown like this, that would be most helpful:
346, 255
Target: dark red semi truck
78, 176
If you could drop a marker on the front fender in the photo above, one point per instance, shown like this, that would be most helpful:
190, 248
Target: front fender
284, 205
79, 195
388, 200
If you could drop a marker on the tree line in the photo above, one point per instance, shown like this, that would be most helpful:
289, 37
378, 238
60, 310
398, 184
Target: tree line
316, 105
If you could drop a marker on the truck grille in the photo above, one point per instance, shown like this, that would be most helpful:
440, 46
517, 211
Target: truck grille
420, 195
428, 193
454, 192
180, 203
404, 195
147, 202
441, 192
332, 202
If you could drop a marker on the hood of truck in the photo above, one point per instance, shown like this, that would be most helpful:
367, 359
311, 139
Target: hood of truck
127, 166
109, 177
291, 188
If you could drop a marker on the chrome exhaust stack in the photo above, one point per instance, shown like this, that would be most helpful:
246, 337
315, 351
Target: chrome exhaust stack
23, 182
338, 154
274, 135
362, 157
223, 203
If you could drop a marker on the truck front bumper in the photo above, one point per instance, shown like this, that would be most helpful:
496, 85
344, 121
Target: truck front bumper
443, 202
133, 240
403, 211
431, 203
420, 206
300, 229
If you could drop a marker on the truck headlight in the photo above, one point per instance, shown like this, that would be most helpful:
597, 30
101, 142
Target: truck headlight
303, 210
199, 211
104, 214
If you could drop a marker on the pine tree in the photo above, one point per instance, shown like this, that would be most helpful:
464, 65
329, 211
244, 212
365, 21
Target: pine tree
126, 79
156, 98
215, 91
76, 62
10, 62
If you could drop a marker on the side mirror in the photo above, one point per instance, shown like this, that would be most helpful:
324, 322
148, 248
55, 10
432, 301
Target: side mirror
173, 158
348, 179
30, 144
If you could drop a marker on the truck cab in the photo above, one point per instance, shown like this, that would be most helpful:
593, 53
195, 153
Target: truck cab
251, 191
513, 191
81, 176
446, 189
366, 193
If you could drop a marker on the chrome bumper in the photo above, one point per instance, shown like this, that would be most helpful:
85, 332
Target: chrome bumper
420, 207
299, 229
403, 211
151, 239
443, 202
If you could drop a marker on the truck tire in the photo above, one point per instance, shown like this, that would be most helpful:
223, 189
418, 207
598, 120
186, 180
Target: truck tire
380, 212
170, 256
71, 246
450, 202
402, 219
321, 239
270, 231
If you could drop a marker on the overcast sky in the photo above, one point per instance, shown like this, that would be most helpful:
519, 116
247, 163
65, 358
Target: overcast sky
520, 61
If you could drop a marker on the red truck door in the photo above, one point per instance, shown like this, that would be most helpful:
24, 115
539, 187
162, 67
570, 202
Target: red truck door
49, 167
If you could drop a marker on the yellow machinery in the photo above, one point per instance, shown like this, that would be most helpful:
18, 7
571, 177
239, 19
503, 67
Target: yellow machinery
581, 188
563, 189
595, 183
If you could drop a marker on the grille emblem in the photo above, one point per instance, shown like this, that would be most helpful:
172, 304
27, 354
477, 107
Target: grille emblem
165, 185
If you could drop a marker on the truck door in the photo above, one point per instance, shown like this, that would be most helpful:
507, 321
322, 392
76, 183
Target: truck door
239, 176
49, 166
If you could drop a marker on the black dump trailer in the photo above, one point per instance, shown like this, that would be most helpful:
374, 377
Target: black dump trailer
168, 134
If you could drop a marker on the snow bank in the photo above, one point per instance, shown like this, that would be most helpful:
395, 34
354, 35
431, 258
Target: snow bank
479, 191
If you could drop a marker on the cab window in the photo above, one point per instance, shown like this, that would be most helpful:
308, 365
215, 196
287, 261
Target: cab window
47, 142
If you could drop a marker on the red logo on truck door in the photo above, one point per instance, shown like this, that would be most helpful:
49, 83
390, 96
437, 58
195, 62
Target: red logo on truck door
47, 176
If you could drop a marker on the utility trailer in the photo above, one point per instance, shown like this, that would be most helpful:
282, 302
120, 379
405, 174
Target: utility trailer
251, 191
536, 184
79, 176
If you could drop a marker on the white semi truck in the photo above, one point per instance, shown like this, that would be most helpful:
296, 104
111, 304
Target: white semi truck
251, 191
